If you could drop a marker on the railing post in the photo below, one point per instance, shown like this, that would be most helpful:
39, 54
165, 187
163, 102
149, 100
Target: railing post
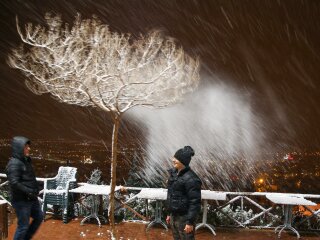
3, 220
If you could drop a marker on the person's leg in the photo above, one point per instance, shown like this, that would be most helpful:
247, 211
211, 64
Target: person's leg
37, 215
174, 226
23, 211
181, 222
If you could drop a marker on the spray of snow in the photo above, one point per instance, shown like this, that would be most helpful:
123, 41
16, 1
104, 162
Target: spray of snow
220, 125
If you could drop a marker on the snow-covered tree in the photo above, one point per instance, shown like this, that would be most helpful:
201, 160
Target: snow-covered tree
88, 65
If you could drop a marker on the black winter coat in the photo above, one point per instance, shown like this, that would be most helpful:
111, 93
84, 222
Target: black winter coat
20, 173
184, 194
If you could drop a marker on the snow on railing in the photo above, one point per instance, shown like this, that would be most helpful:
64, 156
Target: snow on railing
249, 209
3, 175
239, 209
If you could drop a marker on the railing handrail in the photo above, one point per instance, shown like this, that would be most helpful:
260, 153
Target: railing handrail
305, 195
241, 209
39, 179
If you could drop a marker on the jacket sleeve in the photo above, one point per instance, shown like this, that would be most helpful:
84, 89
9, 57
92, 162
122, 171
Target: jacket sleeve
14, 172
193, 188
169, 183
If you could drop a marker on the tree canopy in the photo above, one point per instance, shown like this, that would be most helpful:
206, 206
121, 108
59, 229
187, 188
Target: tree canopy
88, 65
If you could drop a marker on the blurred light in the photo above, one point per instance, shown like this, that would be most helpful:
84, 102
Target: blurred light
288, 157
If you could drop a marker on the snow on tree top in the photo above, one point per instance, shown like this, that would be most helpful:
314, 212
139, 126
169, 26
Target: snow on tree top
279, 198
94, 189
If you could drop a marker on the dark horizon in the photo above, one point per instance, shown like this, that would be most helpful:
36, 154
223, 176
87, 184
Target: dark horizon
266, 49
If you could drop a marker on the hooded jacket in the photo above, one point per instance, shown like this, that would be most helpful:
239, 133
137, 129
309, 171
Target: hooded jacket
184, 194
20, 172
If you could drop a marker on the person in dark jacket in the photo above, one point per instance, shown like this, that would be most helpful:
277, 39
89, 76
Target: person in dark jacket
184, 196
24, 189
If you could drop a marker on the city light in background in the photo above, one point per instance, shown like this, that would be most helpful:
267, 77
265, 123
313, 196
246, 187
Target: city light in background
257, 121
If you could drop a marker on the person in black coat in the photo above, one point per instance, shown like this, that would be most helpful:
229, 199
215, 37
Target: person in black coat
24, 189
184, 196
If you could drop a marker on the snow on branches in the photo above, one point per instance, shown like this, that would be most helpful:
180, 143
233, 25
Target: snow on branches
88, 65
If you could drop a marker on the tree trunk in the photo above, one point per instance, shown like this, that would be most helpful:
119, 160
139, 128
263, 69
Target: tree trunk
116, 124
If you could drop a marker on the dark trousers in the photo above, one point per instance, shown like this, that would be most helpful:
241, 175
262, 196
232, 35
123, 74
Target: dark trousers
25, 210
178, 223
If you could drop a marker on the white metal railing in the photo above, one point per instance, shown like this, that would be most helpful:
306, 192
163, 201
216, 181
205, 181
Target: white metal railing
254, 210
2, 175
245, 209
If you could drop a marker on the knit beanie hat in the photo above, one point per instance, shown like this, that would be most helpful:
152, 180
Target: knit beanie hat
184, 155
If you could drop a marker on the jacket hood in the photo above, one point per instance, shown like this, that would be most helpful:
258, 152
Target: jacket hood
18, 144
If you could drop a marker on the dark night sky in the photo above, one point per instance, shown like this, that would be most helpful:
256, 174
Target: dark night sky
270, 49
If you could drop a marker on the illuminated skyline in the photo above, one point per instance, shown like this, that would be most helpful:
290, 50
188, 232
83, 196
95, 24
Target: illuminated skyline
271, 173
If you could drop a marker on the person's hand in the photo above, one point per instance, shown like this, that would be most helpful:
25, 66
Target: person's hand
188, 228
168, 219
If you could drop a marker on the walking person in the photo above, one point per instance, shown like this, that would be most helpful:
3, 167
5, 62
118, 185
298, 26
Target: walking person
184, 196
24, 189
